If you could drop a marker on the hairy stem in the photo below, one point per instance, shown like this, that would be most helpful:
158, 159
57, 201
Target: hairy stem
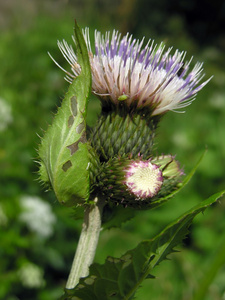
87, 244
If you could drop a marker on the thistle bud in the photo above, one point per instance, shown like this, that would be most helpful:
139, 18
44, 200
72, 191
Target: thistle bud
143, 179
138, 182
172, 174
119, 133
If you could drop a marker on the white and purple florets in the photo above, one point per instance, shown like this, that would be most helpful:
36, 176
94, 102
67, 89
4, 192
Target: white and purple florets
143, 179
147, 76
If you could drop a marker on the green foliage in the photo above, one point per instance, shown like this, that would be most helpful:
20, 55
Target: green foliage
217, 262
119, 278
64, 148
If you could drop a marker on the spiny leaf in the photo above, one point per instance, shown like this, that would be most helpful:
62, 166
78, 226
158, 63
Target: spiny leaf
116, 216
119, 278
63, 152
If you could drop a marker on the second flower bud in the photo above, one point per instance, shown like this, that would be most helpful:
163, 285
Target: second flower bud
138, 182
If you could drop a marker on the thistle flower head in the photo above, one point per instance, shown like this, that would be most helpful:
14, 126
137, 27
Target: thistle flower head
138, 182
143, 179
124, 70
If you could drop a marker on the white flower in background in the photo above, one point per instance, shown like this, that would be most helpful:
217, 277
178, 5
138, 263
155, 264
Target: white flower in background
5, 114
31, 276
150, 76
38, 216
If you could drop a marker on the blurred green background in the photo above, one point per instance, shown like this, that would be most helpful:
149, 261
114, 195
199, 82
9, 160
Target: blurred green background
38, 236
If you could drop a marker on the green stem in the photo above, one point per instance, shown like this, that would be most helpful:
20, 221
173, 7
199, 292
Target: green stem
87, 243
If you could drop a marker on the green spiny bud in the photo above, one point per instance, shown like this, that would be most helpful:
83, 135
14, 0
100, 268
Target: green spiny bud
137, 182
121, 133
171, 173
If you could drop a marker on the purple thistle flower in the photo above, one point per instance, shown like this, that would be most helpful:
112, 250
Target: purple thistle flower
141, 76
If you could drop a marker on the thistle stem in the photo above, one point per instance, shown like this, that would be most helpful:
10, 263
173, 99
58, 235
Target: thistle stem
87, 244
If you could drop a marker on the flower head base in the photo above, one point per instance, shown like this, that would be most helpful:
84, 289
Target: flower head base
143, 179
123, 70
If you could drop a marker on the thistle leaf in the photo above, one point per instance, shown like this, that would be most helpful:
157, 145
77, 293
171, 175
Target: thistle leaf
119, 278
64, 151
116, 216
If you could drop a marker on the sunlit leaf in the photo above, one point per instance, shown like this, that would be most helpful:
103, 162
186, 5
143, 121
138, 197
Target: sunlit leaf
64, 149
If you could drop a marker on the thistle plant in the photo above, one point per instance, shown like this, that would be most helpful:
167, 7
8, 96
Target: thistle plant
113, 168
